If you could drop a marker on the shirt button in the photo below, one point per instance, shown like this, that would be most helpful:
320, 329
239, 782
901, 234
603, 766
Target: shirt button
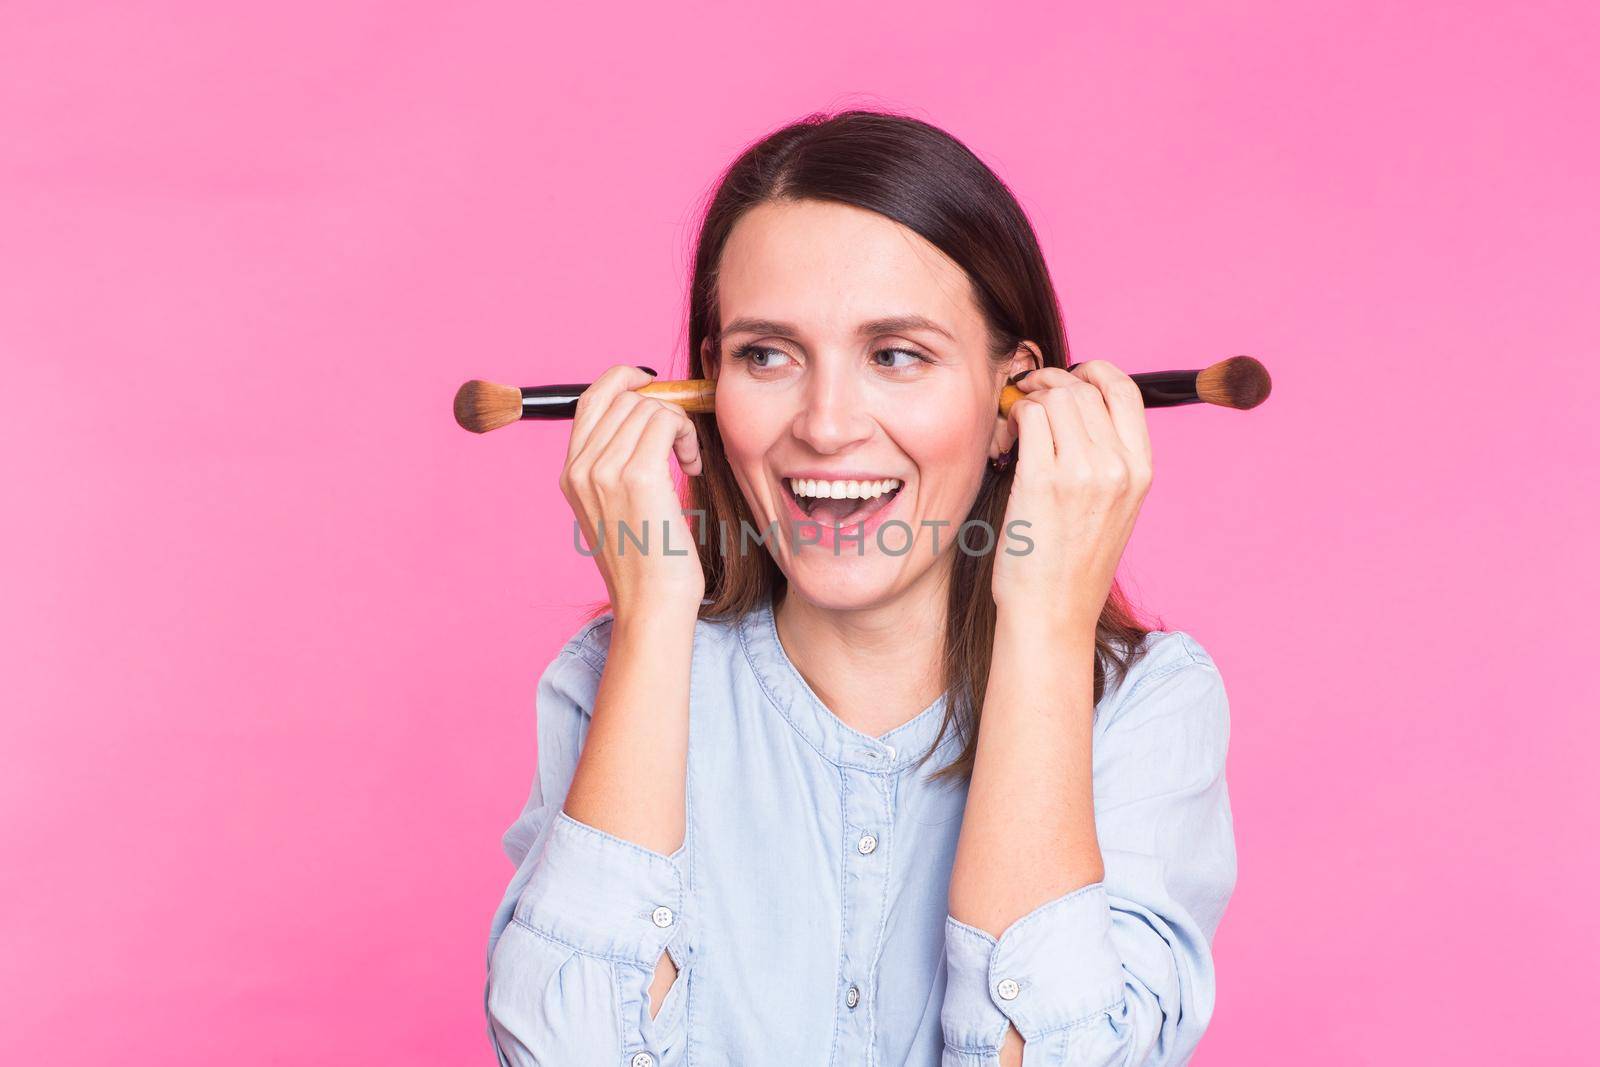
866, 844
852, 996
890, 749
642, 1059
1007, 989
662, 917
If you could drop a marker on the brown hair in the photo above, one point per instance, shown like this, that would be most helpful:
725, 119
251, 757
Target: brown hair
924, 179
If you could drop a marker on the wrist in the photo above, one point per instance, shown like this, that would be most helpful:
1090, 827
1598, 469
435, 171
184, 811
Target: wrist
1048, 625
654, 619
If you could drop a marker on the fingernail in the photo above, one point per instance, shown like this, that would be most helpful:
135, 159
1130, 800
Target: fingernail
1015, 378
648, 370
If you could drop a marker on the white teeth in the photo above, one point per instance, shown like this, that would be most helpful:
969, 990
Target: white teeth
843, 489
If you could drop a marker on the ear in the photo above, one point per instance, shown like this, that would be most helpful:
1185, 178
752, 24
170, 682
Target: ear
1027, 357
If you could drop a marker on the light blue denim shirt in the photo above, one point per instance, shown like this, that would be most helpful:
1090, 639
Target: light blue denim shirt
807, 907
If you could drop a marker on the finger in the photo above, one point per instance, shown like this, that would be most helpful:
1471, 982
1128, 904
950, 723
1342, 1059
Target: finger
663, 433
1007, 426
604, 427
685, 442
1125, 403
594, 401
1092, 410
614, 456
1046, 378
1036, 452
1072, 438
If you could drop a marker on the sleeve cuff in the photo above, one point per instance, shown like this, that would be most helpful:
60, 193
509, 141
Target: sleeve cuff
1054, 967
602, 895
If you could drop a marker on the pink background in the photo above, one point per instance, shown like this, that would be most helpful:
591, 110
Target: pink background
273, 622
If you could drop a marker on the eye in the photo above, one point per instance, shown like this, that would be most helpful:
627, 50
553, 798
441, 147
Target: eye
891, 358
759, 356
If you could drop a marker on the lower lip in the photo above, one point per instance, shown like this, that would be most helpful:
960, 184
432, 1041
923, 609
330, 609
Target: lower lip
827, 534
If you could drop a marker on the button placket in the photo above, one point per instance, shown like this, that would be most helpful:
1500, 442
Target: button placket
868, 824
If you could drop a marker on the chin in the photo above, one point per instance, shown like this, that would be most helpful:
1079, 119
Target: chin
846, 582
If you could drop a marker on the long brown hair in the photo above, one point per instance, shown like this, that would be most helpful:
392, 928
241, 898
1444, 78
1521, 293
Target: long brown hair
924, 179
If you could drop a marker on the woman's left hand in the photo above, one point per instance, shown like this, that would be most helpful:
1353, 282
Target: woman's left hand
1083, 469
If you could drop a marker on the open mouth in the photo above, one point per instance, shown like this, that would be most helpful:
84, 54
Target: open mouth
841, 502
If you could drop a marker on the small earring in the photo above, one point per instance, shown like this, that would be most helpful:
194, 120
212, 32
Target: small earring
1002, 461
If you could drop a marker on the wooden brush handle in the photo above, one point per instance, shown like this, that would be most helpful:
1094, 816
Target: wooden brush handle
697, 396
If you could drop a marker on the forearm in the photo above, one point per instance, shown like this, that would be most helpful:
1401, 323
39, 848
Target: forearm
1028, 833
630, 778
1116, 967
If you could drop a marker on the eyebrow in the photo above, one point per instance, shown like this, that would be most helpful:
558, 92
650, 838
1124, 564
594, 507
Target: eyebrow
893, 324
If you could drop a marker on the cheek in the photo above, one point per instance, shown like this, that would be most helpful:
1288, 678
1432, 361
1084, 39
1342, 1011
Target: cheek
749, 426
949, 450
937, 437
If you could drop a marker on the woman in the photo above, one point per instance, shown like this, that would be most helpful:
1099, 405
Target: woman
885, 771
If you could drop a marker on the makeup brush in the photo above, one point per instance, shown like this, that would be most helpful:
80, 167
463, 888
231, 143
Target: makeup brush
1236, 382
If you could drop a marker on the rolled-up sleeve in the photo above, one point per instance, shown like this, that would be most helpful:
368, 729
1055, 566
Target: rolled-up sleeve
1119, 971
575, 943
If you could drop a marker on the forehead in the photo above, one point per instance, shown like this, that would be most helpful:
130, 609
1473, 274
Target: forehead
826, 267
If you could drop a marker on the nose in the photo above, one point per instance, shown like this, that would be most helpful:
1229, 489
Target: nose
834, 415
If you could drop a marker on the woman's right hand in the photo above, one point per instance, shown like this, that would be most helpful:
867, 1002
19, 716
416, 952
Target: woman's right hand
616, 474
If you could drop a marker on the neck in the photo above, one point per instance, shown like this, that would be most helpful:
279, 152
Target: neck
874, 667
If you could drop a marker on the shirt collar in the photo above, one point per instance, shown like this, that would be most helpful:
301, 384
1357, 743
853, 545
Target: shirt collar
821, 728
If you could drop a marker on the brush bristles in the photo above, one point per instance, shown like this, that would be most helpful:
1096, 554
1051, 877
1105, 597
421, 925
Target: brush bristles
1236, 382
483, 406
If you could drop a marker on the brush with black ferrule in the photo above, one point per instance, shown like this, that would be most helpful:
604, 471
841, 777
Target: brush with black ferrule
1239, 382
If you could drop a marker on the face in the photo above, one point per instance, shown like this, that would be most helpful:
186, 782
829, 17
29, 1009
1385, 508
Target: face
856, 397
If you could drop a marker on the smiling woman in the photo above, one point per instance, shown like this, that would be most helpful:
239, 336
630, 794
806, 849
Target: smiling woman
731, 854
